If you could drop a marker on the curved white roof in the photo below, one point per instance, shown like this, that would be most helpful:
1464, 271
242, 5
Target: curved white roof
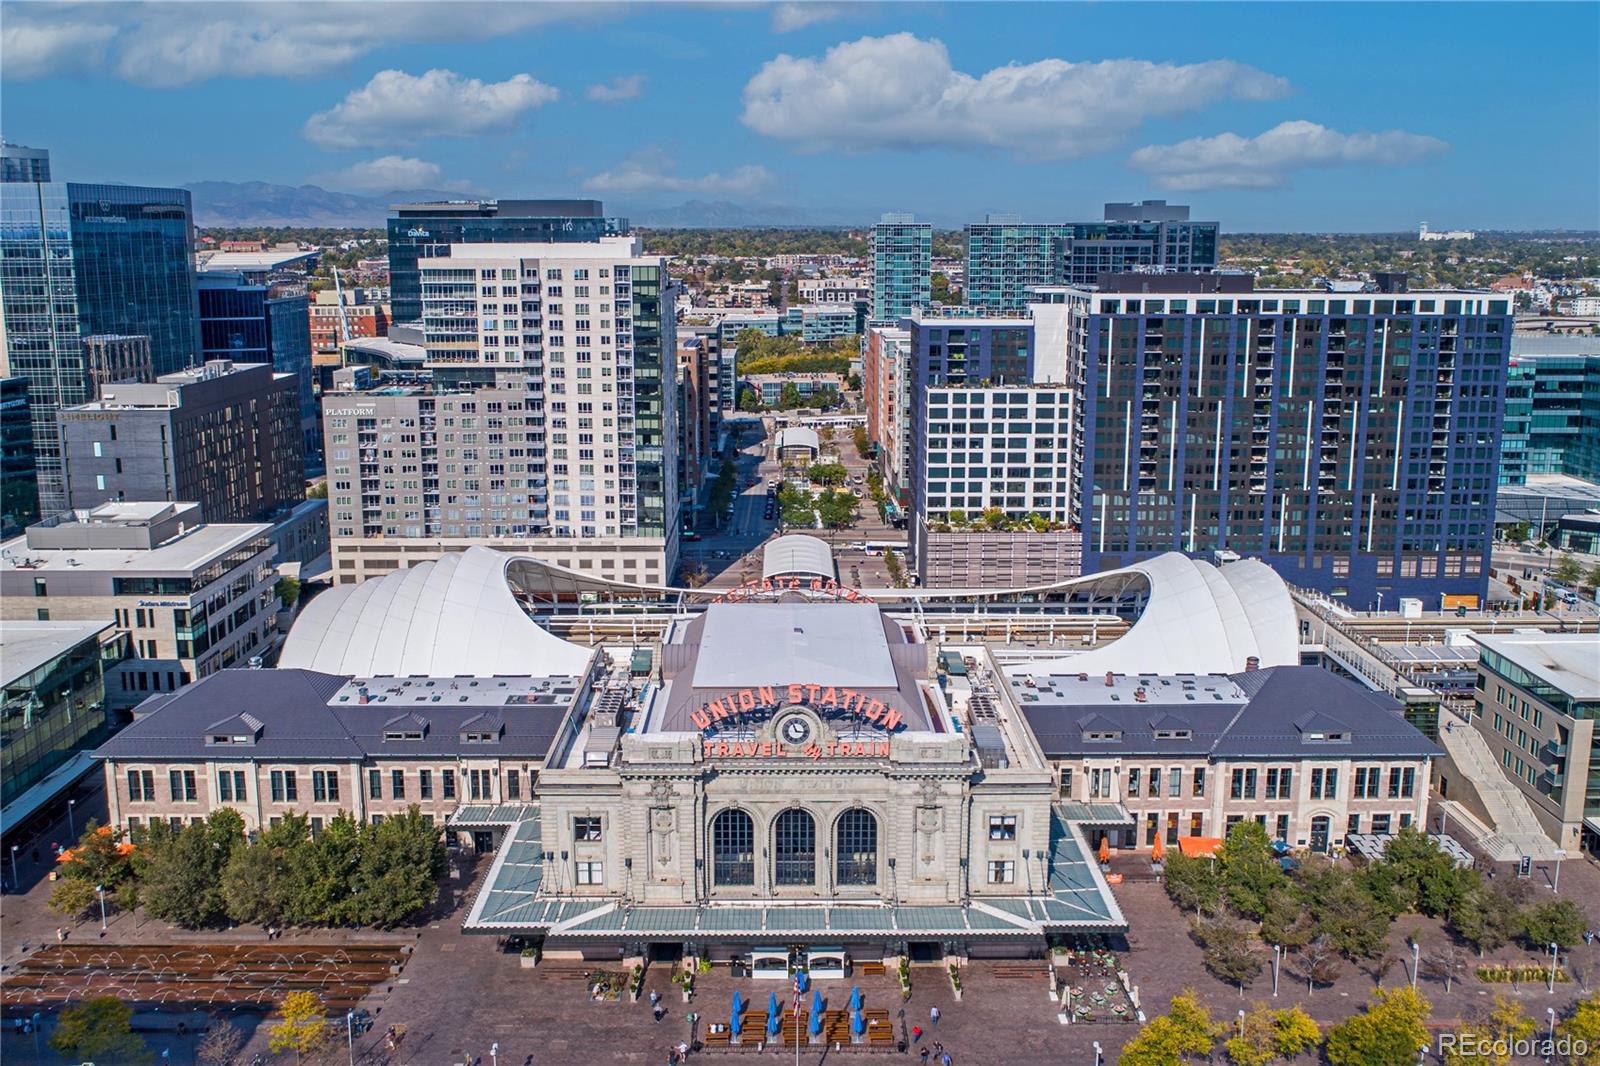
799, 437
797, 553
1197, 619
451, 617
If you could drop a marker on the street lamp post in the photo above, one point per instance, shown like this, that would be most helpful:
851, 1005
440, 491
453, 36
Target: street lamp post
350, 1034
16, 882
1097, 1053
494, 1053
1277, 957
72, 825
1241, 1023
101, 890
1416, 958
37, 1018
1550, 1046
1555, 882
1554, 954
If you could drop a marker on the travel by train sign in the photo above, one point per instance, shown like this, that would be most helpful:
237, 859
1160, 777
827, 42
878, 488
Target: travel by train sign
762, 701
775, 749
770, 586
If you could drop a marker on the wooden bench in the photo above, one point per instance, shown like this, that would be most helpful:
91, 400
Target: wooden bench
873, 969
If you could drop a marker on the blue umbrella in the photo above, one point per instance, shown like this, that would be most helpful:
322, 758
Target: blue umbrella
816, 1022
774, 1017
855, 998
738, 1009
800, 980
816, 1001
733, 1024
857, 1026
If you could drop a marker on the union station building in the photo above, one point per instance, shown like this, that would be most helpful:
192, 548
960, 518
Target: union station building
794, 766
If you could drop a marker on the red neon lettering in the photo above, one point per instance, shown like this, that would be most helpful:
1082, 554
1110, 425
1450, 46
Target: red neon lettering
768, 698
794, 694
718, 711
892, 720
830, 698
881, 750
874, 710
706, 749
747, 699
811, 693
700, 718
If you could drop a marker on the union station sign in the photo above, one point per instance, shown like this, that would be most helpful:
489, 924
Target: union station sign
753, 590
760, 702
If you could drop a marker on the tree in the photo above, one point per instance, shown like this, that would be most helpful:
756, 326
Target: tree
1184, 1033
694, 575
257, 885
1269, 1035
323, 874
1389, 1032
288, 591
99, 1029
402, 859
1558, 921
302, 1025
897, 572
722, 488
72, 897
1493, 1033
221, 1044
319, 491
183, 871
1582, 1026
99, 858
837, 509
859, 436
1379, 967
1447, 964
1568, 571
1294, 1032
827, 473
1593, 580
1250, 873
1226, 955
1345, 912
1319, 963
1489, 915
750, 399
1287, 923
1192, 883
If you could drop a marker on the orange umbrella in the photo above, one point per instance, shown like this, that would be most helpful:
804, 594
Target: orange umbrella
1158, 851
65, 856
1105, 849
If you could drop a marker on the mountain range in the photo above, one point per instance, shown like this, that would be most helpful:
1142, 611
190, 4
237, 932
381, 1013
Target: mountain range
259, 203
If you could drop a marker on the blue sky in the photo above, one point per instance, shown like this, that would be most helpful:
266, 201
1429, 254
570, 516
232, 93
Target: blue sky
1266, 117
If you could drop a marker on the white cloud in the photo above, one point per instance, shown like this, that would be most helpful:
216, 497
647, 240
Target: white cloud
31, 48
901, 92
622, 87
396, 106
651, 171
798, 15
1229, 161
170, 44
390, 173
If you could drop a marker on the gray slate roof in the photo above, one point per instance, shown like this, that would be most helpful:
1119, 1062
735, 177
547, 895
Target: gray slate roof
1281, 706
296, 721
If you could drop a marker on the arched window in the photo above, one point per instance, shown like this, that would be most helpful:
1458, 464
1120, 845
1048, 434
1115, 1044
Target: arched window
733, 848
856, 845
794, 848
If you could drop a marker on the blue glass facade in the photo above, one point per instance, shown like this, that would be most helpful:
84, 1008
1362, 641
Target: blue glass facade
1552, 409
251, 323
425, 231
902, 267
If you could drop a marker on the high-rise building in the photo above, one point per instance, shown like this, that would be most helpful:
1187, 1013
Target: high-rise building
223, 434
1007, 257
886, 394
1349, 440
111, 358
553, 408
19, 480
333, 322
1552, 408
427, 230
21, 164
53, 684
902, 267
252, 317
78, 260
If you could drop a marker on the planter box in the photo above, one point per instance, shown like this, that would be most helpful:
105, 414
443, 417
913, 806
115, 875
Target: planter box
528, 961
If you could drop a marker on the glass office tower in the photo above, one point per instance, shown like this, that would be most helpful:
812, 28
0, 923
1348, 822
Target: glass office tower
263, 323
78, 260
427, 230
902, 267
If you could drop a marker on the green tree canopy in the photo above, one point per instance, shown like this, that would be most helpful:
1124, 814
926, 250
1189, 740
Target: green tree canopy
1389, 1032
99, 1029
1185, 1033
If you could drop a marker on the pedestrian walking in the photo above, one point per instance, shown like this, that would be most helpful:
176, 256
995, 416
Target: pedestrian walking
944, 1060
933, 1015
658, 1010
683, 1048
916, 1033
923, 1055
655, 997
